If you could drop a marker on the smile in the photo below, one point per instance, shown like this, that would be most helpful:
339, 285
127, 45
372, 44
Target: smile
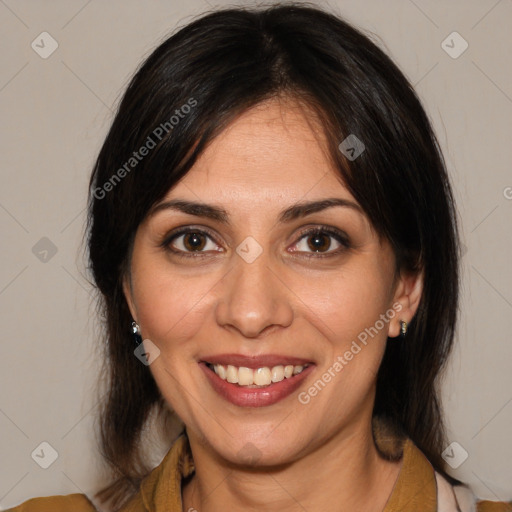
255, 387
259, 377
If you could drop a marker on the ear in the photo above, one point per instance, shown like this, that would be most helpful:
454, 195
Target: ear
128, 294
408, 292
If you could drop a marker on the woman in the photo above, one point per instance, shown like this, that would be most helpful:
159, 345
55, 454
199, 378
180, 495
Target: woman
274, 236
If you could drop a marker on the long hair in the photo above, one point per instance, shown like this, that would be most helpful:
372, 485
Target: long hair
184, 94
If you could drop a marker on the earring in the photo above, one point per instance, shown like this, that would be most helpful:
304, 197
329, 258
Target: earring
403, 328
136, 333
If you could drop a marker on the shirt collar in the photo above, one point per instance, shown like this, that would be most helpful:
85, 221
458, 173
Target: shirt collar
415, 488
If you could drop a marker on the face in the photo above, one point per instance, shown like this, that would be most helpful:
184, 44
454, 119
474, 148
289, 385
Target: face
261, 293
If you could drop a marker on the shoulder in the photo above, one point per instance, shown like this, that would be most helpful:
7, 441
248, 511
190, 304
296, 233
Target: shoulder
70, 502
493, 506
461, 498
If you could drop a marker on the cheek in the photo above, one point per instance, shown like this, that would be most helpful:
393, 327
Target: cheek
347, 311
346, 304
170, 306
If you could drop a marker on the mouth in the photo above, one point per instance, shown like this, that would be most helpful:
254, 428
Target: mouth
262, 377
255, 385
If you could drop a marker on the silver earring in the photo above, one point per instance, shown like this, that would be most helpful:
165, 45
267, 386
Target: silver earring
136, 333
403, 328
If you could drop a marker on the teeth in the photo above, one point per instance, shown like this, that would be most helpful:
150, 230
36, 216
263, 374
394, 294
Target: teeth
231, 374
297, 369
277, 373
221, 372
245, 376
260, 377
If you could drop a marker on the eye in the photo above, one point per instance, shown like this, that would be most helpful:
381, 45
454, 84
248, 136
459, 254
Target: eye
193, 242
318, 240
190, 240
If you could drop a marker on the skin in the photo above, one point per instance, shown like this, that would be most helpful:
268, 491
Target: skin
318, 456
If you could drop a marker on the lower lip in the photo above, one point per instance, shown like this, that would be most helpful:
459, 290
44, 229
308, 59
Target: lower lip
255, 397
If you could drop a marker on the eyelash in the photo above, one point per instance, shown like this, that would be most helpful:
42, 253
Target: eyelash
339, 236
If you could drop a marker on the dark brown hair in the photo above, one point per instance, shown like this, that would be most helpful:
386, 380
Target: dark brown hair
220, 65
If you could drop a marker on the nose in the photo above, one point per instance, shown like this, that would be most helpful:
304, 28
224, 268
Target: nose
253, 299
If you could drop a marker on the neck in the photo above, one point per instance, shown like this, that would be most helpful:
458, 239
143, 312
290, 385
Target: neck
346, 470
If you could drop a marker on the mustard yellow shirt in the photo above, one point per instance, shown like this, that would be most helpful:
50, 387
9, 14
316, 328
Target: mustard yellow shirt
415, 489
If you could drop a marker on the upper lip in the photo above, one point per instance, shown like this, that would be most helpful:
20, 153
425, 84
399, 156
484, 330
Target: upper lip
254, 362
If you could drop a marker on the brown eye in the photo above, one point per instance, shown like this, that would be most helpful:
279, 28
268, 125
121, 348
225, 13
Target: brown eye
190, 242
194, 241
319, 242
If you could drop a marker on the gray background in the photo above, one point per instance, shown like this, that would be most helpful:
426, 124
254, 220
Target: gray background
55, 113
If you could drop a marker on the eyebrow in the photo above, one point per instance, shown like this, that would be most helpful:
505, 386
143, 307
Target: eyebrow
219, 214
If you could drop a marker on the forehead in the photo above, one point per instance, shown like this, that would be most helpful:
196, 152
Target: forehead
275, 149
